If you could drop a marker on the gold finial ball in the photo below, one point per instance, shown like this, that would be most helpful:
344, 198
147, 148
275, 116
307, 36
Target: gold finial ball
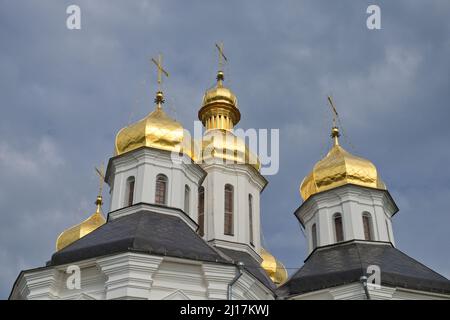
220, 76
159, 97
99, 200
335, 132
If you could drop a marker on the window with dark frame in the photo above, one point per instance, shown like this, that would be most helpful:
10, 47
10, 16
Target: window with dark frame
314, 236
187, 198
339, 231
161, 189
229, 203
367, 224
201, 211
130, 191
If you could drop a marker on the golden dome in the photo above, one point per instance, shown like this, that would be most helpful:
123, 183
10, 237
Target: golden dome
273, 267
219, 108
156, 130
338, 168
223, 144
219, 114
78, 231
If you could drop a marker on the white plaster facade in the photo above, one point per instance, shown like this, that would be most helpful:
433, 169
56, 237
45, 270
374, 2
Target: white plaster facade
139, 276
351, 202
145, 164
245, 181
355, 291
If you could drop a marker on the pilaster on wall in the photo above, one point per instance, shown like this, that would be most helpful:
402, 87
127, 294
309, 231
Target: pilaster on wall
41, 285
129, 275
217, 278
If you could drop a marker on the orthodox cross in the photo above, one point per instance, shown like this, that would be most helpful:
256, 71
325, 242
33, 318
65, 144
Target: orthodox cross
101, 176
335, 113
160, 69
222, 57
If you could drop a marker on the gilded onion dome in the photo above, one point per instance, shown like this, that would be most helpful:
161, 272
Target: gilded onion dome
78, 231
219, 108
338, 168
156, 130
219, 114
273, 267
224, 145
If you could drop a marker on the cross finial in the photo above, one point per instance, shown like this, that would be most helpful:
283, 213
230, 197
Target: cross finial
158, 63
101, 176
334, 131
335, 114
222, 58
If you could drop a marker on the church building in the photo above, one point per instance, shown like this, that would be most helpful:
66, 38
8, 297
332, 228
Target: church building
189, 227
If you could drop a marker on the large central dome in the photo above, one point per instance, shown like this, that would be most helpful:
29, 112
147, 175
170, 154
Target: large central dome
338, 168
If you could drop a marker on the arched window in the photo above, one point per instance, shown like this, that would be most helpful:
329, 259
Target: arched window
187, 198
314, 235
161, 189
338, 230
367, 225
229, 206
201, 211
250, 217
129, 195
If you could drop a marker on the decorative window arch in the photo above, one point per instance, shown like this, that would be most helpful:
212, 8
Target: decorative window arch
161, 189
129, 194
367, 226
338, 227
201, 211
314, 235
250, 218
229, 210
187, 199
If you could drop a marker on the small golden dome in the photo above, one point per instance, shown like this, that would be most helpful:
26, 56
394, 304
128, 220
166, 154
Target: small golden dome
338, 168
223, 144
156, 130
78, 231
220, 93
219, 108
273, 267
219, 114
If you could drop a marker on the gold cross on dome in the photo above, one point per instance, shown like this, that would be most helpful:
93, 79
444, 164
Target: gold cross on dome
221, 55
160, 69
335, 113
101, 176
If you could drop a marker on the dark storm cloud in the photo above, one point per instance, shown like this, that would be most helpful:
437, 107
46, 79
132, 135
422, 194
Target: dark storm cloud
64, 95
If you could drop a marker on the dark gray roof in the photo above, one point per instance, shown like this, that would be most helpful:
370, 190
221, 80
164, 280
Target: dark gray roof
143, 231
250, 265
345, 263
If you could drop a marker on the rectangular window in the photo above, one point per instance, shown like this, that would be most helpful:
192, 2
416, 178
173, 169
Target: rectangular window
367, 228
201, 211
338, 228
229, 207
130, 192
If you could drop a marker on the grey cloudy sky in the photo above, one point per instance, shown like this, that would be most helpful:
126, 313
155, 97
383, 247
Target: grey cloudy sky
64, 95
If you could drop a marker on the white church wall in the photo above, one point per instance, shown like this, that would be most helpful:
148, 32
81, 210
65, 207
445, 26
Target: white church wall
140, 276
245, 182
355, 291
351, 202
145, 165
